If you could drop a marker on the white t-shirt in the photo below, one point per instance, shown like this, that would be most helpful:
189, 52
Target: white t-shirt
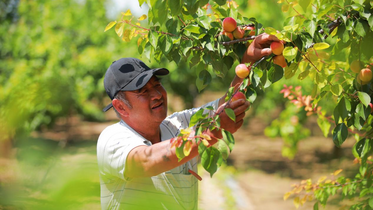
173, 189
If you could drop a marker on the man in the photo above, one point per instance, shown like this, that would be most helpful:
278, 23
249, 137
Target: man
138, 167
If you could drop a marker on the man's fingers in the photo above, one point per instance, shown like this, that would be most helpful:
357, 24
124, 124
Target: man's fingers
263, 38
240, 117
263, 52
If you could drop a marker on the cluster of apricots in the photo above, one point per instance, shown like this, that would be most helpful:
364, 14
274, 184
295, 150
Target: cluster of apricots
277, 49
364, 72
232, 31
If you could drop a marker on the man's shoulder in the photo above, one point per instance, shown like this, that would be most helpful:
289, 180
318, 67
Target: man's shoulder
115, 130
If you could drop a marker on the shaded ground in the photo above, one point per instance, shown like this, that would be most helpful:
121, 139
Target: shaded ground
52, 171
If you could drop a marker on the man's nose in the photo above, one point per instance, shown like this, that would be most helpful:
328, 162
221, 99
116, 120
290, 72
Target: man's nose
156, 94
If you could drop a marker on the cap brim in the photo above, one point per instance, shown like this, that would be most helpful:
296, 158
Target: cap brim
160, 71
107, 107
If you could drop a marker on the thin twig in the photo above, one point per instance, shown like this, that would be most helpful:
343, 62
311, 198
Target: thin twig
239, 40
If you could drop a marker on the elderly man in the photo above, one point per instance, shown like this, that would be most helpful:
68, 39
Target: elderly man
137, 165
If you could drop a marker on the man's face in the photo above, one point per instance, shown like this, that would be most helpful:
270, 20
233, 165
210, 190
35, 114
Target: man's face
149, 104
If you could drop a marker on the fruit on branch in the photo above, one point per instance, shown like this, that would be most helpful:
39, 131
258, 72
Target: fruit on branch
371, 107
359, 80
242, 71
227, 34
365, 75
277, 48
229, 24
238, 33
251, 29
238, 95
279, 60
356, 66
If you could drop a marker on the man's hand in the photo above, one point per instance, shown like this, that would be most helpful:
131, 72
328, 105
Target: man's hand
259, 48
239, 107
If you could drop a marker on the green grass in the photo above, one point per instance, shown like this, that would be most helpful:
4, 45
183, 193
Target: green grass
47, 176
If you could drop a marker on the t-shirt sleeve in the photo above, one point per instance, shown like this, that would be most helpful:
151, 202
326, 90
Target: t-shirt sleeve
112, 151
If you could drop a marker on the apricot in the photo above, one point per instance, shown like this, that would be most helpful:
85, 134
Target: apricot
238, 33
251, 29
356, 66
279, 60
228, 34
359, 80
277, 48
238, 95
242, 71
365, 75
229, 24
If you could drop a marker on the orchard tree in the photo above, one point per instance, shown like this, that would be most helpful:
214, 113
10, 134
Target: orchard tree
52, 56
326, 42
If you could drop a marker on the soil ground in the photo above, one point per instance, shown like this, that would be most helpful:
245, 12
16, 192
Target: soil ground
256, 175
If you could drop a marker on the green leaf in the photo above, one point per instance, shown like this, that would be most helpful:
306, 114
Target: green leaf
153, 38
228, 139
364, 98
230, 113
360, 29
290, 70
147, 50
310, 27
110, 25
362, 111
304, 4
223, 149
316, 206
119, 29
337, 89
370, 22
220, 2
275, 73
196, 117
193, 28
340, 133
165, 43
321, 46
365, 148
370, 202
363, 192
210, 159
358, 121
251, 95
304, 74
203, 80
175, 7
290, 53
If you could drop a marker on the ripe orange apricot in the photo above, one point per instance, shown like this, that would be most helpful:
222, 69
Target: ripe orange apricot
238, 95
279, 60
242, 71
251, 29
229, 24
238, 33
365, 75
277, 48
228, 34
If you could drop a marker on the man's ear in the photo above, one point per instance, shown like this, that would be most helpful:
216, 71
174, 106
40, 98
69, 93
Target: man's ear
120, 107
